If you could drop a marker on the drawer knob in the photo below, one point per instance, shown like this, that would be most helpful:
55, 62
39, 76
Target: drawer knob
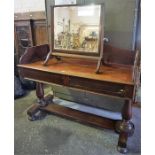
121, 92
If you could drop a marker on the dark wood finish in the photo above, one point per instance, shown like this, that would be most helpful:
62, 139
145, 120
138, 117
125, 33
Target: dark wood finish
40, 94
34, 54
112, 55
40, 34
79, 116
78, 68
116, 80
39, 90
127, 110
125, 127
35, 110
118, 56
31, 29
109, 88
23, 36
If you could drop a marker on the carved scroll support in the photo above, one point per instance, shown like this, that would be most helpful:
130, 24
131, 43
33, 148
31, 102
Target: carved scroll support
125, 127
49, 55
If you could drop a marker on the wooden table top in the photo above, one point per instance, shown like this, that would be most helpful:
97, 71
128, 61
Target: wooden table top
85, 69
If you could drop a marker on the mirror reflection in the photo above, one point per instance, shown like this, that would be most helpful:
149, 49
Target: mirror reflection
76, 28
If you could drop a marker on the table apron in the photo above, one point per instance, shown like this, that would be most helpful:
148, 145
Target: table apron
97, 86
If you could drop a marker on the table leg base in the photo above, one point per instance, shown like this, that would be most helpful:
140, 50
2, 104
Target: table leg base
34, 113
123, 150
124, 128
127, 127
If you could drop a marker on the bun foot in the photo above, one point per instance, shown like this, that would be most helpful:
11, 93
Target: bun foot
123, 150
125, 126
39, 115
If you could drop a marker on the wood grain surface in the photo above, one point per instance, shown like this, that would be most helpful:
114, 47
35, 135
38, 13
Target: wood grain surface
86, 69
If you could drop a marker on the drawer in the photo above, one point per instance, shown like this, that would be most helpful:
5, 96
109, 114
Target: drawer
42, 76
102, 87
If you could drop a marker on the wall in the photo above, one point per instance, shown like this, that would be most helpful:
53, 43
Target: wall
119, 20
87, 20
29, 5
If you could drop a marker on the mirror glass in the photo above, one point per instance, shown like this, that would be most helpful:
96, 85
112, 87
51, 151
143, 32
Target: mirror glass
77, 29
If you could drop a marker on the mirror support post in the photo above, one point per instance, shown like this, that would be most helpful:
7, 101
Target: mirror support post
99, 61
47, 58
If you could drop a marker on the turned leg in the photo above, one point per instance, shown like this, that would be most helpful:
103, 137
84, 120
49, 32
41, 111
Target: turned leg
125, 127
35, 112
40, 94
43, 101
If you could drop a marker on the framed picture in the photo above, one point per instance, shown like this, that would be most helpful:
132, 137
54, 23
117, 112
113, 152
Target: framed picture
77, 29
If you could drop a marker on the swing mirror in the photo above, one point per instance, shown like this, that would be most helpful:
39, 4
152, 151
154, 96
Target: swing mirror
77, 29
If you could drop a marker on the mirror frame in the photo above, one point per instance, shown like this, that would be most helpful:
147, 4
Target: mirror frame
62, 52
